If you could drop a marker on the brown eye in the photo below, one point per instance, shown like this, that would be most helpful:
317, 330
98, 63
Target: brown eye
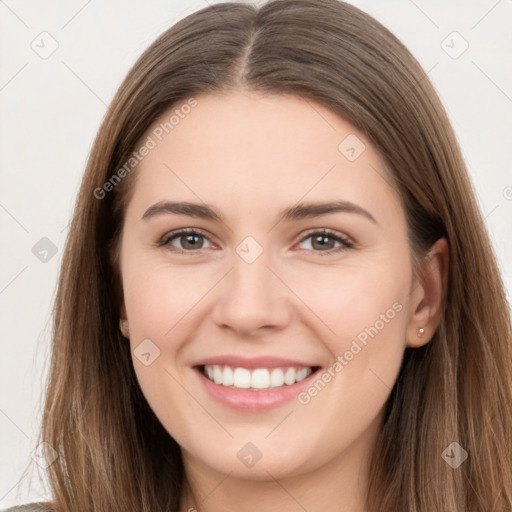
189, 240
325, 240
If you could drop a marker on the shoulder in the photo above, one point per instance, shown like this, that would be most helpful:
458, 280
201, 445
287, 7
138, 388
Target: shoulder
28, 507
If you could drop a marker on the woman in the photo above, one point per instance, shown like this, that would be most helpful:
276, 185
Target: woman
207, 356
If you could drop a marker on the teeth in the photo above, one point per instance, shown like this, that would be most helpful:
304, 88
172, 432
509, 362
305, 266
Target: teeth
276, 378
289, 376
241, 378
260, 378
302, 374
227, 376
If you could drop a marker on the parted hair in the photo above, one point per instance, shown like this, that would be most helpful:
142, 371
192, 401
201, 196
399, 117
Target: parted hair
114, 454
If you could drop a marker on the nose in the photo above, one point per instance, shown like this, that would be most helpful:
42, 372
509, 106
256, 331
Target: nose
251, 297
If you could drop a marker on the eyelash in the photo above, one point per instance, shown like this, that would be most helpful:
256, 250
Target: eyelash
346, 243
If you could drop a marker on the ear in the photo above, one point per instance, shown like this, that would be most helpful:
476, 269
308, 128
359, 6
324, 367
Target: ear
428, 295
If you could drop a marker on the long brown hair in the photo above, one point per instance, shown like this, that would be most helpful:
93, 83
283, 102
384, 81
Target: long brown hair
113, 452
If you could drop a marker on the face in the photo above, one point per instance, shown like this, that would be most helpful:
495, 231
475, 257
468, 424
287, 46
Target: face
268, 282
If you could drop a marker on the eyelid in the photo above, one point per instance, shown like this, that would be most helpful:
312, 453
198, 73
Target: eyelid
346, 241
327, 231
165, 239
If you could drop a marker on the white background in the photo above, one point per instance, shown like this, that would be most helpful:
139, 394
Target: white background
50, 110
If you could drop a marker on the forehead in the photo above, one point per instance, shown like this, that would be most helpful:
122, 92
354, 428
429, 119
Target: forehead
252, 147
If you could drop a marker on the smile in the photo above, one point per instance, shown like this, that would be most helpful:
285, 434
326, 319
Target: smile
255, 379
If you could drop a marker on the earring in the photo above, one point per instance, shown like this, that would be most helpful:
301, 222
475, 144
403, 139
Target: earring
123, 327
420, 332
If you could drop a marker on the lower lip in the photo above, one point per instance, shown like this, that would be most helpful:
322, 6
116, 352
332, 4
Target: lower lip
253, 400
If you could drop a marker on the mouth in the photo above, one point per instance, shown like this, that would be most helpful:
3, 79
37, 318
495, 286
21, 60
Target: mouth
255, 379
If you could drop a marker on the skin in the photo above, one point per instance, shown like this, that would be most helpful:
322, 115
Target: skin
250, 156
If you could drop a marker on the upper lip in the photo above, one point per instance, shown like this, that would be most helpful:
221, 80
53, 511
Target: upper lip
253, 362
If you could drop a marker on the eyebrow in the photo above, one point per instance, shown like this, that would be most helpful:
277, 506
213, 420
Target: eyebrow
297, 212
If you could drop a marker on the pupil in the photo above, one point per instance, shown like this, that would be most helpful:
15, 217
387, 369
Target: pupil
321, 239
189, 238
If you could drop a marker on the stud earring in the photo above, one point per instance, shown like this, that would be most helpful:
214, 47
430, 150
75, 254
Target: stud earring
420, 332
123, 327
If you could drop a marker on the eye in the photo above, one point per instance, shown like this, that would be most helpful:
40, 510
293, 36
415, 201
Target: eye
320, 239
190, 239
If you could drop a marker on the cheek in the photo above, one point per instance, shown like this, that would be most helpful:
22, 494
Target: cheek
363, 322
361, 317
157, 296
350, 298
161, 304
